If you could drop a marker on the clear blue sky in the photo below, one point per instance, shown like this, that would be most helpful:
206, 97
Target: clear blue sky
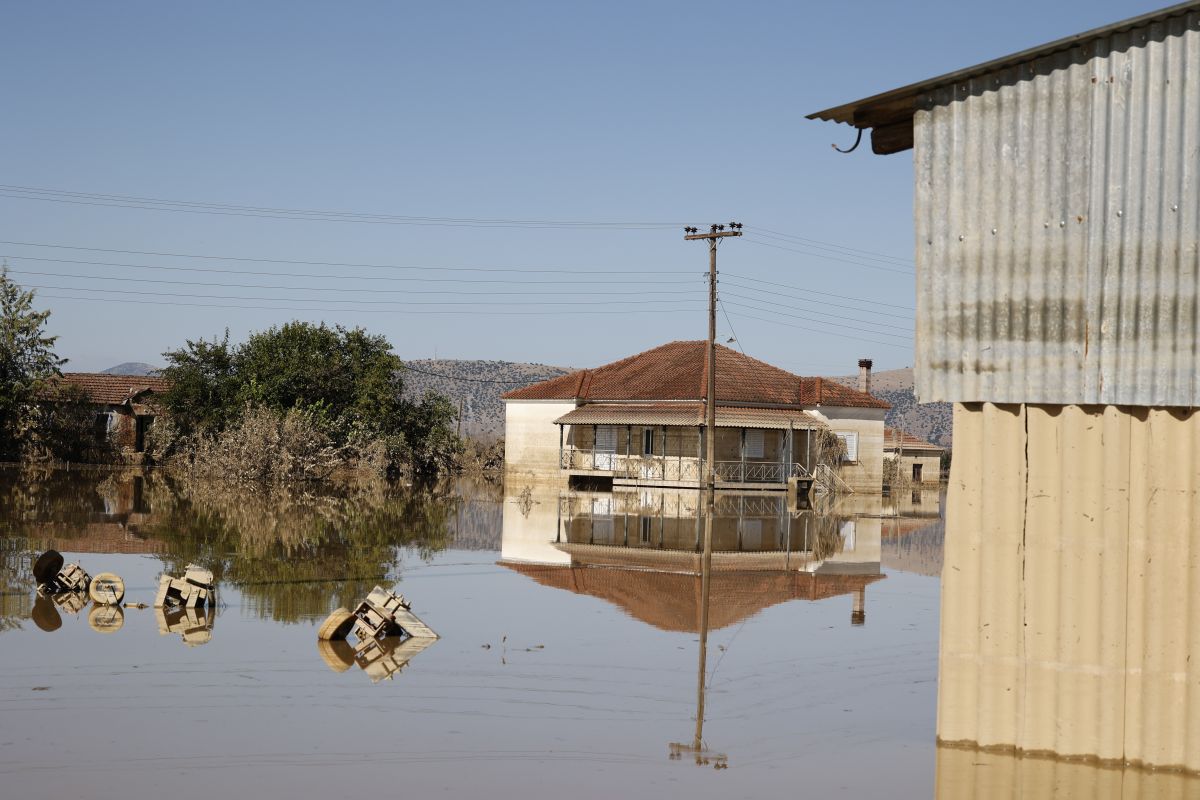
610, 112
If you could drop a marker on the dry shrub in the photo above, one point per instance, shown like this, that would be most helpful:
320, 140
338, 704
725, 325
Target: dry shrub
265, 447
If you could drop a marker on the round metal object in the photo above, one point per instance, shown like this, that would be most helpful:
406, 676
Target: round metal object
107, 589
47, 565
45, 614
106, 619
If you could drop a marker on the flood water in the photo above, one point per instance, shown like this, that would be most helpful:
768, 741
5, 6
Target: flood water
568, 661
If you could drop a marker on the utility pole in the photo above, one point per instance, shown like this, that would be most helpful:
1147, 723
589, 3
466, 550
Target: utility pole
716, 233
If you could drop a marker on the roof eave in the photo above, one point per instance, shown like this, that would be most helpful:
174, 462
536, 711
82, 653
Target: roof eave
889, 114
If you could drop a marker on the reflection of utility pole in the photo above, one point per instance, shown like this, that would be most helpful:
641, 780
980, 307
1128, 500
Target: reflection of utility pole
701, 754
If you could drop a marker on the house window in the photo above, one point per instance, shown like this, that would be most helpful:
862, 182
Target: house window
752, 534
648, 442
850, 439
754, 443
647, 528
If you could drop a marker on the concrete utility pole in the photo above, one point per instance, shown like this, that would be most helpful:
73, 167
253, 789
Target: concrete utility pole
716, 232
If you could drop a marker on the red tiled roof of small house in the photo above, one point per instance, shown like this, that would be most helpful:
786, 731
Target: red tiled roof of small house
106, 389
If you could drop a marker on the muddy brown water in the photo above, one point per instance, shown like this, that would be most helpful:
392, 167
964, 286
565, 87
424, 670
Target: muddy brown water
567, 663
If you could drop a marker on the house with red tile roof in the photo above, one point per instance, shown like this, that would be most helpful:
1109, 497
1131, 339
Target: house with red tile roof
124, 405
920, 461
641, 421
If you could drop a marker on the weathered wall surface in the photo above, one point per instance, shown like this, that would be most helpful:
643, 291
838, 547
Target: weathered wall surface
531, 437
1071, 586
968, 774
1057, 210
867, 474
931, 467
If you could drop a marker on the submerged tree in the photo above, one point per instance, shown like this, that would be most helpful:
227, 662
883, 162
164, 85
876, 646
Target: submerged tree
27, 363
334, 385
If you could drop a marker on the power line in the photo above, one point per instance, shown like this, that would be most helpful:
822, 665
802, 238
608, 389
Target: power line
391, 278
826, 333
818, 242
819, 313
473, 313
308, 263
266, 212
372, 290
393, 303
820, 303
816, 321
812, 291
831, 258
736, 339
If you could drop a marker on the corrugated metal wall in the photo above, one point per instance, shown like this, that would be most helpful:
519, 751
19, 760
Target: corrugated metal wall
1057, 211
1071, 583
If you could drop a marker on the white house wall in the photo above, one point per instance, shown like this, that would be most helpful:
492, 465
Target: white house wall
531, 438
865, 475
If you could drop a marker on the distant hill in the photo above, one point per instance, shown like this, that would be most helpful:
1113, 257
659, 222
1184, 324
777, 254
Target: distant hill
131, 368
478, 384
932, 422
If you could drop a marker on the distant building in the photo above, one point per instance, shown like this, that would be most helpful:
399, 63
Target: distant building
920, 461
641, 421
125, 406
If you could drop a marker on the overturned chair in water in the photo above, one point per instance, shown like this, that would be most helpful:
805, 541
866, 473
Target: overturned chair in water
388, 635
53, 578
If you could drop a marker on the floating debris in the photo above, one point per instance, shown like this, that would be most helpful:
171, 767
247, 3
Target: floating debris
193, 624
54, 578
106, 589
381, 615
193, 590
388, 635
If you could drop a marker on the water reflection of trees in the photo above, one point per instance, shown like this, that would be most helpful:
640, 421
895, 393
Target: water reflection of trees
296, 552
293, 552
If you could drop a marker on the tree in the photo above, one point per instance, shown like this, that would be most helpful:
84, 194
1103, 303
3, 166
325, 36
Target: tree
346, 382
27, 363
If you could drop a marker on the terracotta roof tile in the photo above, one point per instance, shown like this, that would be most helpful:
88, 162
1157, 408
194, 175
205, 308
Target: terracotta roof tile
678, 371
894, 437
114, 389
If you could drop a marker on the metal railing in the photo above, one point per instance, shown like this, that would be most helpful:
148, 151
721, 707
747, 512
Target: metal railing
676, 468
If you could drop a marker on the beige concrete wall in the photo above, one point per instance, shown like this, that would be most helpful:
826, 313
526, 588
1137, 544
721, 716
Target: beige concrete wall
866, 475
531, 437
1070, 621
931, 466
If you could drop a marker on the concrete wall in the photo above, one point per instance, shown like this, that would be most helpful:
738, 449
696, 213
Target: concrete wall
866, 475
531, 437
931, 466
1070, 622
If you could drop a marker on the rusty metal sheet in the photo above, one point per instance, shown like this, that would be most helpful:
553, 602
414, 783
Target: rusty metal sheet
1057, 208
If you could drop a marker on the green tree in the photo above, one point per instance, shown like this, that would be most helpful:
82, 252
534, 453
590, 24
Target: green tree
346, 381
27, 363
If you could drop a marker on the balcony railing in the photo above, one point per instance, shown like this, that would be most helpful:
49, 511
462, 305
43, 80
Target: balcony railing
676, 468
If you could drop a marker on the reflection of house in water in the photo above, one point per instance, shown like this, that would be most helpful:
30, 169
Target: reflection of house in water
640, 550
914, 530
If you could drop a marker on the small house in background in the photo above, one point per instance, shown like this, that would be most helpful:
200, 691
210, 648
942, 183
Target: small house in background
920, 461
125, 405
641, 421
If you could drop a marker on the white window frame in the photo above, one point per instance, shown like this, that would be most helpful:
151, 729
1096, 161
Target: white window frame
850, 439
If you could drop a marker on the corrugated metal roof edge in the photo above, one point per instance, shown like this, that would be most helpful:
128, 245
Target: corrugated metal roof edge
847, 112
